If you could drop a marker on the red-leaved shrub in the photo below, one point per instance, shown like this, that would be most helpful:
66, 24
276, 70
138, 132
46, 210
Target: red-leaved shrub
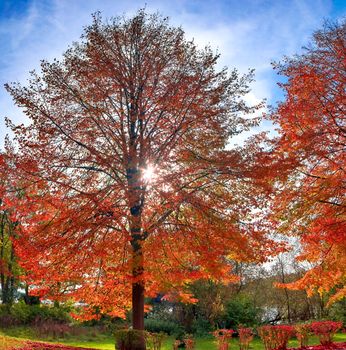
325, 330
223, 337
189, 343
303, 331
176, 344
275, 337
245, 337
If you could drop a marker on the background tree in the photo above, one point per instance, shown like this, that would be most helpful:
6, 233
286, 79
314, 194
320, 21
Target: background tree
129, 132
311, 201
9, 268
8, 263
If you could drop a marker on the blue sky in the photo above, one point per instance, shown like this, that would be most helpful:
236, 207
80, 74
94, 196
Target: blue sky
248, 33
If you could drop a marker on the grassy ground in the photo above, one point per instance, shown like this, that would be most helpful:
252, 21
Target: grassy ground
106, 342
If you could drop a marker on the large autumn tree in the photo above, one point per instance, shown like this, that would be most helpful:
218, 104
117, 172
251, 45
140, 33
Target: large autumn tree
312, 118
128, 134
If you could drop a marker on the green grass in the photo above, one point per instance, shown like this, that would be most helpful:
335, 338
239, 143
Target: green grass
106, 342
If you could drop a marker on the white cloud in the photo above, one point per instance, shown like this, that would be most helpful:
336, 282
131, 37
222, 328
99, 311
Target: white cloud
248, 35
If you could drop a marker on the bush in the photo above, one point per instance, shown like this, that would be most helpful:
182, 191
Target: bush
275, 337
157, 326
223, 337
189, 342
23, 314
325, 330
154, 340
201, 327
26, 314
303, 332
245, 338
337, 312
176, 344
241, 311
128, 339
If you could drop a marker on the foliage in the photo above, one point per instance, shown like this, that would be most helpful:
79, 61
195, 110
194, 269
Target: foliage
310, 158
129, 339
275, 337
23, 314
245, 337
154, 341
337, 311
325, 330
241, 311
210, 307
8, 343
184, 340
201, 326
176, 344
157, 326
303, 331
189, 342
9, 267
223, 337
30, 345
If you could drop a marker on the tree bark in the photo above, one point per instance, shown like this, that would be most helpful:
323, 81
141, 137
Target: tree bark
138, 290
138, 283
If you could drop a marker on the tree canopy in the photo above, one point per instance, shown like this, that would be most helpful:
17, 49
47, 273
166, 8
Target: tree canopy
312, 125
132, 188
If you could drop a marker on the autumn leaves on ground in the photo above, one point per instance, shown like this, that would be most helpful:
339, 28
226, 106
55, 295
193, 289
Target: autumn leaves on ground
122, 200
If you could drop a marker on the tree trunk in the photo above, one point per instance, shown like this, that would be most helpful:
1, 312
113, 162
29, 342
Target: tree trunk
138, 287
138, 291
136, 201
138, 283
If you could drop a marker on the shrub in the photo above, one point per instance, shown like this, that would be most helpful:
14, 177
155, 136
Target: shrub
59, 314
154, 340
189, 342
23, 313
241, 311
184, 341
176, 344
201, 327
223, 337
27, 314
303, 332
179, 339
128, 339
163, 326
245, 337
325, 330
275, 337
337, 311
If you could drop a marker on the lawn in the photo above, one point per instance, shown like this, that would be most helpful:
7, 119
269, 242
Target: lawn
106, 342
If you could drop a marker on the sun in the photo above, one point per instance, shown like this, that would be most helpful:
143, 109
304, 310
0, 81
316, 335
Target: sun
148, 174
